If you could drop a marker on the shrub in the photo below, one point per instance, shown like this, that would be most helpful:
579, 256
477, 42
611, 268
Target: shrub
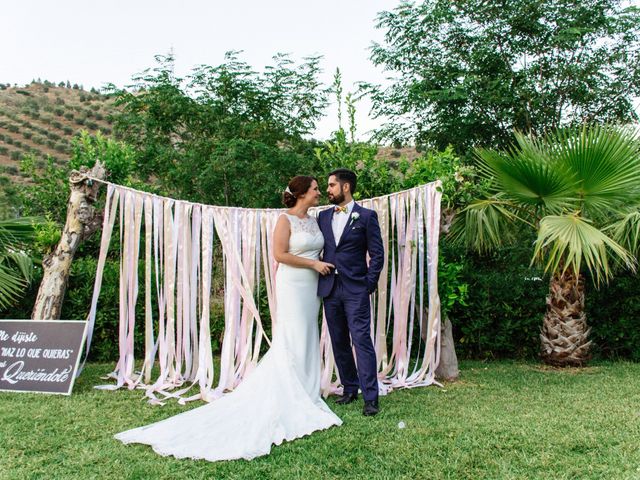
32, 113
67, 130
613, 312
16, 155
505, 304
68, 116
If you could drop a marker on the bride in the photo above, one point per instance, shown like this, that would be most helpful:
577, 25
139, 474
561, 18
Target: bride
279, 400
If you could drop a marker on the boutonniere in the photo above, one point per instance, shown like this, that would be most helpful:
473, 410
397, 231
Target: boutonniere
354, 216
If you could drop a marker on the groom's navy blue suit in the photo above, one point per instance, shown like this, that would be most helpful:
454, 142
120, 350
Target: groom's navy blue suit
346, 296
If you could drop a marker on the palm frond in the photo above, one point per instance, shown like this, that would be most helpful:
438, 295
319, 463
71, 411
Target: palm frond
16, 267
605, 160
529, 176
569, 241
17, 231
23, 264
626, 231
484, 225
11, 286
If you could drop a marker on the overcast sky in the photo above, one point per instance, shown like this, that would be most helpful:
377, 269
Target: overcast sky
93, 43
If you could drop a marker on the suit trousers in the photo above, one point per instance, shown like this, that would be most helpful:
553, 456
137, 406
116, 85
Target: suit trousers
349, 322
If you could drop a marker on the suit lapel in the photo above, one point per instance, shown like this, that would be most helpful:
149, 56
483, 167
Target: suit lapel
347, 227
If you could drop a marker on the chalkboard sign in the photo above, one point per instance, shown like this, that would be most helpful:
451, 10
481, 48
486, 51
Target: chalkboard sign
40, 355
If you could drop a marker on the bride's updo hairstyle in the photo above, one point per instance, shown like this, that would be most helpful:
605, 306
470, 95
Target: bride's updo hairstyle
298, 185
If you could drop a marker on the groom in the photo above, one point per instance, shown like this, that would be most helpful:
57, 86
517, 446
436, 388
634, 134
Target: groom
350, 232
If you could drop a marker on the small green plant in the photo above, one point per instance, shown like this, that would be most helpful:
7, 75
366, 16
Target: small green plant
47, 235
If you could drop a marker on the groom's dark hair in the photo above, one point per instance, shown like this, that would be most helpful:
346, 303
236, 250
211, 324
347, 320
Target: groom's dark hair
343, 176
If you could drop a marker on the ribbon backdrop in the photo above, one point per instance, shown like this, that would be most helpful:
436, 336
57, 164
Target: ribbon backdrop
177, 258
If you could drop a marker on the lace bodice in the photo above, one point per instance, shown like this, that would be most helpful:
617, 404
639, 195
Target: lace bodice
308, 224
306, 240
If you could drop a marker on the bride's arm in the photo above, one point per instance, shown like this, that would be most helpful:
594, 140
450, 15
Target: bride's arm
281, 249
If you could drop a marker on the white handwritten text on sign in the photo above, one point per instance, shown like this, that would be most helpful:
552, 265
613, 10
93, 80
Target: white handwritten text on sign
39, 355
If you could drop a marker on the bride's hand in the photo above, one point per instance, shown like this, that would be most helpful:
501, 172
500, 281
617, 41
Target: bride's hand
323, 268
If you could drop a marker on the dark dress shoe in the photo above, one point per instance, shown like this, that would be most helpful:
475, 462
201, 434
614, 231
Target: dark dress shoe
347, 398
370, 408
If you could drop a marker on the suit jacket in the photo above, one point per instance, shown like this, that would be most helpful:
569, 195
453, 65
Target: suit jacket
360, 236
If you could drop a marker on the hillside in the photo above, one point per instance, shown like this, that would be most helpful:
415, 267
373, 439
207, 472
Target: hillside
42, 119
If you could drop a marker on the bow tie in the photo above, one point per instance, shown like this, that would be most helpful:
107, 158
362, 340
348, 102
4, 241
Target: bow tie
341, 209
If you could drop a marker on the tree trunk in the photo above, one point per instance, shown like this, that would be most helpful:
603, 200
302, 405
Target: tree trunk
81, 223
564, 336
448, 366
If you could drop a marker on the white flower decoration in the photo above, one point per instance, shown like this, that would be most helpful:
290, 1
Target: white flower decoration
355, 216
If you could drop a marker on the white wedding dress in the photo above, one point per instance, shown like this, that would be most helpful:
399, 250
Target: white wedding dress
280, 399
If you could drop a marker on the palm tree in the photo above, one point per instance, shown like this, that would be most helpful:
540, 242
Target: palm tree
16, 266
579, 191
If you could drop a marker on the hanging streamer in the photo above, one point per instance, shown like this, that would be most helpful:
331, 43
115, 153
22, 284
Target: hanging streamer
177, 261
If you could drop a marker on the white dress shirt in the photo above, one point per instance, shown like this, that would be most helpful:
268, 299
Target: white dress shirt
340, 220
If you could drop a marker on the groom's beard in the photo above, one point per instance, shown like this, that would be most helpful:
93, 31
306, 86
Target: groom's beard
337, 199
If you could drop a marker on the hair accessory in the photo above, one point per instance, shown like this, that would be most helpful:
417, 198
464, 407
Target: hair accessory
288, 190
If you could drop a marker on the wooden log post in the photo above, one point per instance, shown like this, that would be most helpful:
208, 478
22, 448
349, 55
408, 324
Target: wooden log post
82, 221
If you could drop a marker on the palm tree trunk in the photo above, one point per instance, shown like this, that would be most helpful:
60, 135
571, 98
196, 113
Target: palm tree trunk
564, 335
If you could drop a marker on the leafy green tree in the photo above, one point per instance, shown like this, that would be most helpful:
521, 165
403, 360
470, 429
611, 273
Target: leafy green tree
578, 190
225, 135
469, 72
47, 193
376, 176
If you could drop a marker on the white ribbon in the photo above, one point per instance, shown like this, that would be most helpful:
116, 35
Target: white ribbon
178, 257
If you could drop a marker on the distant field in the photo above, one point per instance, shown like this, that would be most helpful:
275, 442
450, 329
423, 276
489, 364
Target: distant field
42, 119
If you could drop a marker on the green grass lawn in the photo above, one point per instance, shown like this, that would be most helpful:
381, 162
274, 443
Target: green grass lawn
501, 420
